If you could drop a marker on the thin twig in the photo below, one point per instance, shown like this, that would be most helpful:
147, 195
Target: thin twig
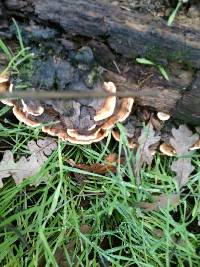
72, 94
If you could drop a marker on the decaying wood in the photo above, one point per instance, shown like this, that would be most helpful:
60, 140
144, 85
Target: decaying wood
131, 35
188, 107
164, 94
179, 99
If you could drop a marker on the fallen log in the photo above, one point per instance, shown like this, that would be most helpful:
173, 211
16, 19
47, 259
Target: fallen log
170, 97
130, 34
123, 37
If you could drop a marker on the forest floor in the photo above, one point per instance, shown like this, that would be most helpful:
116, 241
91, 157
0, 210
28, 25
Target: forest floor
84, 205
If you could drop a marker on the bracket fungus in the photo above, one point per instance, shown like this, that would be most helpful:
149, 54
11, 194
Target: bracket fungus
196, 145
167, 149
5, 85
163, 116
79, 121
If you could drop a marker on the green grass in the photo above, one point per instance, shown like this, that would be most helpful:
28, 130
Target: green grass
174, 12
83, 219
20, 61
37, 223
151, 63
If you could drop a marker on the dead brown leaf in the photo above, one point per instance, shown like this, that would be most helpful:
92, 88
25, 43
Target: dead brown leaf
183, 139
147, 139
160, 202
26, 166
183, 168
98, 168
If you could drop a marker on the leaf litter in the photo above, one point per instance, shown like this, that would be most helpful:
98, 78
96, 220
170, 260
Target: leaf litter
183, 139
160, 202
26, 166
146, 140
98, 168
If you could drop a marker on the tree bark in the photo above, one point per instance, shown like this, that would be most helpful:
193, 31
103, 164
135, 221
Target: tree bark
124, 36
129, 34
166, 96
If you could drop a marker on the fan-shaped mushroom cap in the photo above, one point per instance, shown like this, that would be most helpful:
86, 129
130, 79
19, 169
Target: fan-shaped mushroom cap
167, 149
116, 136
122, 113
102, 130
101, 135
9, 102
163, 116
196, 145
80, 121
109, 103
21, 116
93, 134
32, 109
81, 137
6, 86
76, 139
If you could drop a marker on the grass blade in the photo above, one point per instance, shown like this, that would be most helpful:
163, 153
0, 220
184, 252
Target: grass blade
163, 72
47, 248
144, 61
5, 49
173, 15
19, 37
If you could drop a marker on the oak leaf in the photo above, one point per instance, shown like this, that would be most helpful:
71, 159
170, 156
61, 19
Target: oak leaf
183, 139
183, 168
160, 202
98, 168
147, 140
26, 166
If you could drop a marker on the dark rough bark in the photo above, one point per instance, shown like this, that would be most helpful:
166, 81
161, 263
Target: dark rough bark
169, 97
188, 107
130, 35
164, 94
3, 21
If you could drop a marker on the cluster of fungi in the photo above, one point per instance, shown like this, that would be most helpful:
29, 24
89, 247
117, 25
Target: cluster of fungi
78, 121
109, 112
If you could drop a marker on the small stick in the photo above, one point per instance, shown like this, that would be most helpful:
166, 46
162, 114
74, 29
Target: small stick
71, 94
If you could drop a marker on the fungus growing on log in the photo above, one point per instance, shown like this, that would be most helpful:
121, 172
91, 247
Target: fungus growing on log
5, 86
35, 113
163, 116
167, 150
196, 145
79, 121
